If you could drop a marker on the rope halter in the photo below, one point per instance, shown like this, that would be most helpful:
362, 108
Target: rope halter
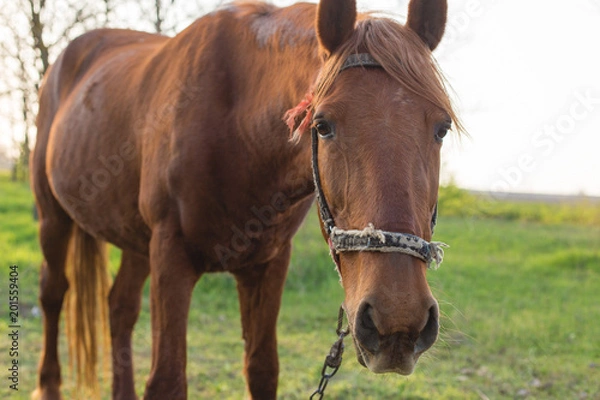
371, 239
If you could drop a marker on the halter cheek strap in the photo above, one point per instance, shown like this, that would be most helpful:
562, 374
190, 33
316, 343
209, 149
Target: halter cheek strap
369, 238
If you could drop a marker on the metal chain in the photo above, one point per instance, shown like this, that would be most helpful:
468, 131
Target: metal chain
333, 360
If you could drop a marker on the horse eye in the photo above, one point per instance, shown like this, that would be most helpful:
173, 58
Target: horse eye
323, 129
442, 131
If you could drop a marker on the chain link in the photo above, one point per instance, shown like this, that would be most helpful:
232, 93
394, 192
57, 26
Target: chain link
333, 360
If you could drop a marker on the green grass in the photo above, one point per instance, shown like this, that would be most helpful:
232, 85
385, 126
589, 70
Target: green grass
519, 302
458, 202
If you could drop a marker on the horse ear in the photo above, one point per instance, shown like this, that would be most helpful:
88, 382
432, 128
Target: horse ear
335, 23
427, 18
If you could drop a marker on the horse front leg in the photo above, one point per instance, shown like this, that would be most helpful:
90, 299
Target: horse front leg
172, 280
260, 289
125, 298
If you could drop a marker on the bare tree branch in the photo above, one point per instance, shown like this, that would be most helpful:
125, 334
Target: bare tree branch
158, 19
37, 30
80, 18
108, 10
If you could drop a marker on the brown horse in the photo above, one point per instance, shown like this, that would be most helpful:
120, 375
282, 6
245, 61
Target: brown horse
174, 150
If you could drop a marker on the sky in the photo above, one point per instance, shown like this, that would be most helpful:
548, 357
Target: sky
525, 76
528, 84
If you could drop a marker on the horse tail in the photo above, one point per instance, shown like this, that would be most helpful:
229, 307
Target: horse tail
86, 309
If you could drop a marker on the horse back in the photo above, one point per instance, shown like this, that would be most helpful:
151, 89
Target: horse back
85, 153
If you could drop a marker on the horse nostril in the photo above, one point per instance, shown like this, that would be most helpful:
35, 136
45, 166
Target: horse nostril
429, 334
365, 330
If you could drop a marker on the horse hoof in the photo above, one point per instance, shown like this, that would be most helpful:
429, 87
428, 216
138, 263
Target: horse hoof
46, 394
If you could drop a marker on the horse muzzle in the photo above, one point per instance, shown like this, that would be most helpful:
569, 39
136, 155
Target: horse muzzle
395, 352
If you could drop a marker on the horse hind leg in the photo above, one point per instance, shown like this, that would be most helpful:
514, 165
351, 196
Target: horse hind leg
55, 231
124, 301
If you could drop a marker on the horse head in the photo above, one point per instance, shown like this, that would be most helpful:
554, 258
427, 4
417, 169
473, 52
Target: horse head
378, 115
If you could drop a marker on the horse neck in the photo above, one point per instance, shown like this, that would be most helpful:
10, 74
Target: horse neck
270, 71
280, 87
264, 71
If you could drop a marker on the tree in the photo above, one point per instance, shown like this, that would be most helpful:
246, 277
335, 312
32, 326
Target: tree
159, 15
170, 16
18, 91
26, 54
35, 31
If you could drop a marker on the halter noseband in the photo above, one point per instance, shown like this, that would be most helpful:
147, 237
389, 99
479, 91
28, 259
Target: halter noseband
369, 238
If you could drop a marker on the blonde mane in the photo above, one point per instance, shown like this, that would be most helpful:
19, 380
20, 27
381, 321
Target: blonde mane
400, 52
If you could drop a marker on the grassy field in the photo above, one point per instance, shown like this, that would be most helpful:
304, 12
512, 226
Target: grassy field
520, 298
